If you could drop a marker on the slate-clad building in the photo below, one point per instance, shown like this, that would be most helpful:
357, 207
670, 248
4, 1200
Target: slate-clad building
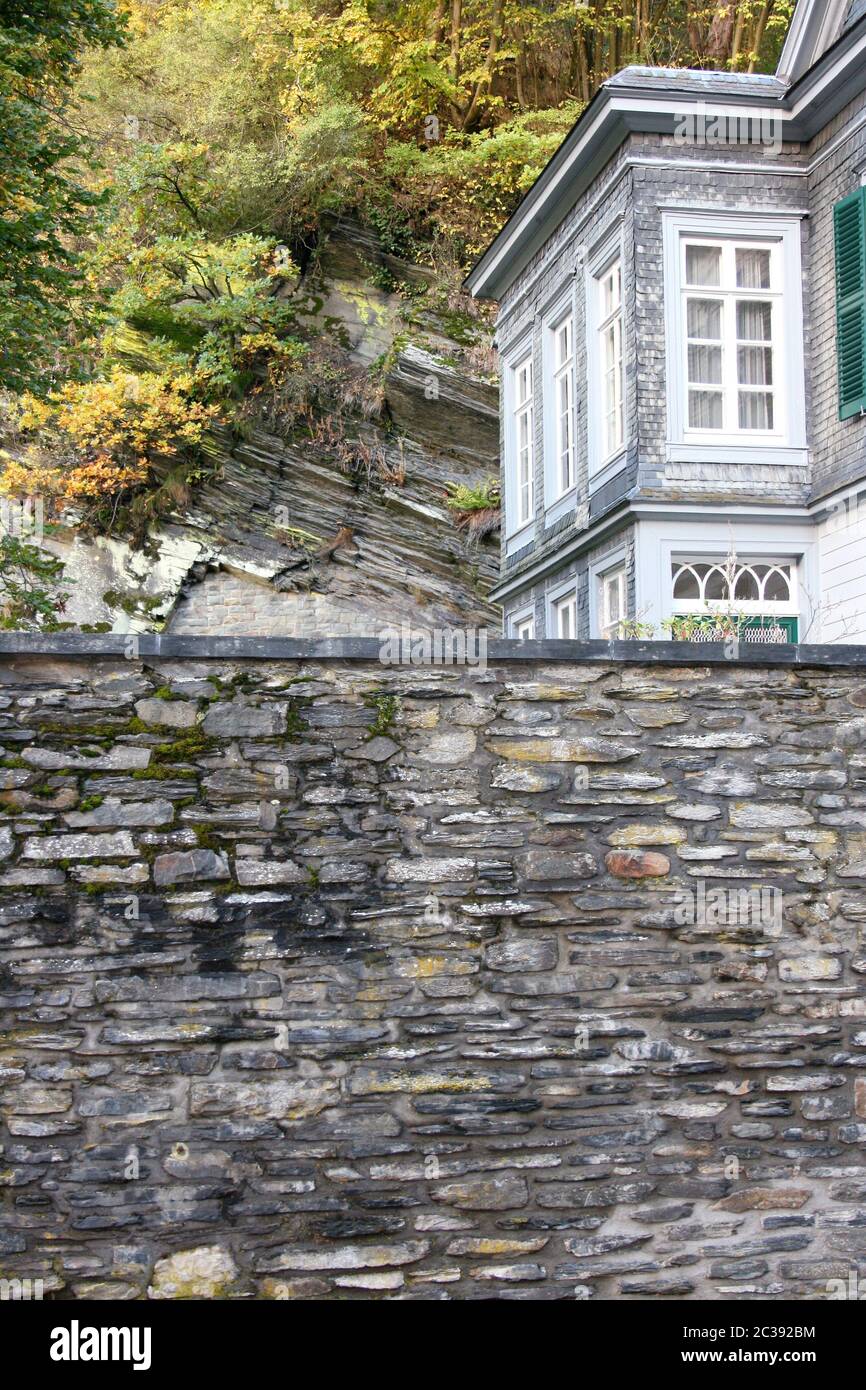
682, 334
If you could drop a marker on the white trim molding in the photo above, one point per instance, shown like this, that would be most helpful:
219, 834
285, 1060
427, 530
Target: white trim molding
518, 619
784, 441
553, 598
518, 529
815, 26
602, 314
559, 377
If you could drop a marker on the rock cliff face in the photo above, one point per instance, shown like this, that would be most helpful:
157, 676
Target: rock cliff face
285, 539
325, 980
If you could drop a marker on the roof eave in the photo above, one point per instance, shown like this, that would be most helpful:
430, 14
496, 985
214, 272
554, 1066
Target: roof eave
613, 114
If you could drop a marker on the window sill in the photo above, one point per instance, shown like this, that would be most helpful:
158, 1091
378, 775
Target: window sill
560, 507
732, 451
608, 470
518, 539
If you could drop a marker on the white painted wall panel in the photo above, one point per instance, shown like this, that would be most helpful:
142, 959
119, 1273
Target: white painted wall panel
842, 542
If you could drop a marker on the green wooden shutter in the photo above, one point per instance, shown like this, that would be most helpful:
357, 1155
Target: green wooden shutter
849, 220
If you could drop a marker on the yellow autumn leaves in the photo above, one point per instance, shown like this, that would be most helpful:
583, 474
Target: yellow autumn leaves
103, 435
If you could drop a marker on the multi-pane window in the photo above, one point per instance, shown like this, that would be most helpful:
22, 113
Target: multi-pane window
731, 294
751, 586
565, 616
522, 390
610, 358
763, 593
612, 602
524, 628
563, 395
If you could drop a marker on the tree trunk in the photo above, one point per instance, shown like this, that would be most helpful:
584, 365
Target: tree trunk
737, 40
760, 29
456, 25
721, 34
485, 80
437, 23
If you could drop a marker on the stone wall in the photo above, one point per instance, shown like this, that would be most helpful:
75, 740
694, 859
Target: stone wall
235, 605
324, 979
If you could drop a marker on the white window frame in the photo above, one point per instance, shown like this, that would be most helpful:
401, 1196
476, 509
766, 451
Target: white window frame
562, 608
607, 564
604, 462
563, 595
618, 575
518, 620
786, 443
750, 607
559, 499
520, 360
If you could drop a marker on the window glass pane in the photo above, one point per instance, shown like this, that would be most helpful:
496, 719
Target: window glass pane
703, 265
705, 364
563, 343
565, 618
754, 319
563, 437
704, 317
777, 588
611, 290
753, 268
746, 589
610, 348
717, 587
614, 598
755, 410
705, 410
686, 584
523, 382
754, 366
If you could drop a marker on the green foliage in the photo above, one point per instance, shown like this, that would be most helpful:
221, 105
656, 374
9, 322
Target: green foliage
474, 499
476, 510
467, 185
45, 202
386, 708
691, 627
30, 596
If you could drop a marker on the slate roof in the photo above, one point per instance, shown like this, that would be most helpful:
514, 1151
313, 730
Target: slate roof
700, 81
